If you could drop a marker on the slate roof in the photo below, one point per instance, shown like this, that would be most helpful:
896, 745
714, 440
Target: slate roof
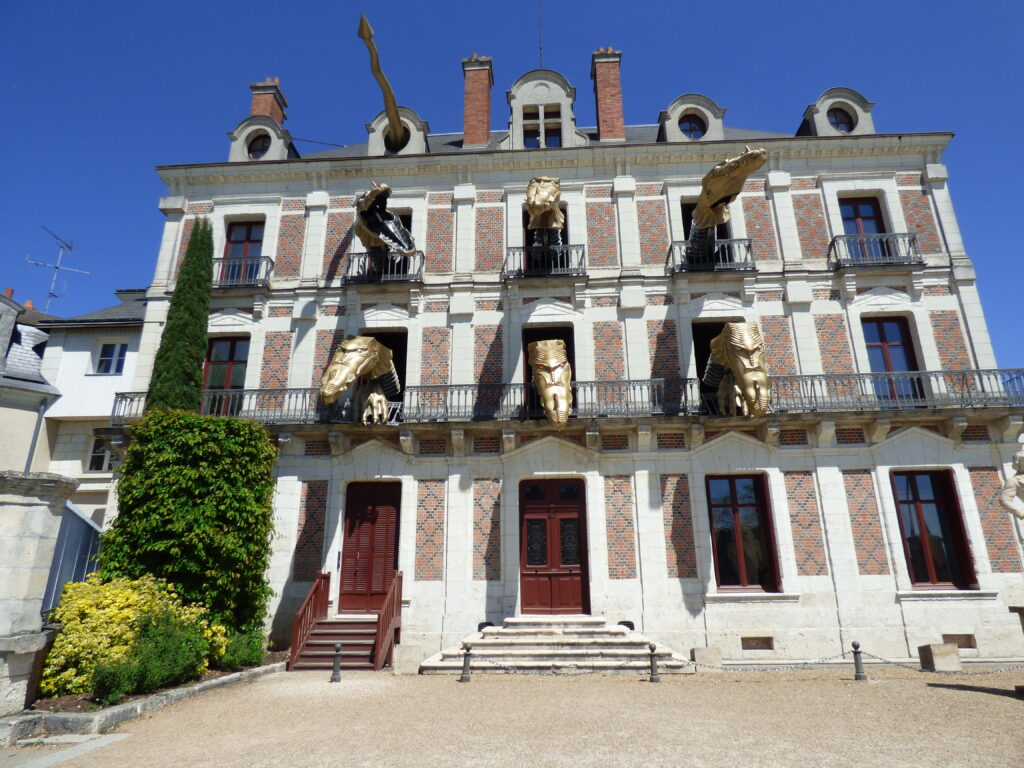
23, 361
442, 143
131, 311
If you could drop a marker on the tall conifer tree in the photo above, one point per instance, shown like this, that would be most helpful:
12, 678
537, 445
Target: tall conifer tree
177, 380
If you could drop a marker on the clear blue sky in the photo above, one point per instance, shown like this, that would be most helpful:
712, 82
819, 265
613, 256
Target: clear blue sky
96, 94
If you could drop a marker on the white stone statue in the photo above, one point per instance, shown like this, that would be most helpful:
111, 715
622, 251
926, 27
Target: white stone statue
1013, 488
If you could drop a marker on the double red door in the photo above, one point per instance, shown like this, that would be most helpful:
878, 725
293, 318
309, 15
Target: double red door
369, 554
552, 547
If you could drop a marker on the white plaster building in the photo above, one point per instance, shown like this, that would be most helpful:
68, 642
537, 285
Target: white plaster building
781, 537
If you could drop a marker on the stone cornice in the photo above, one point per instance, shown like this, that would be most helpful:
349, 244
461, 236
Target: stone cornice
917, 148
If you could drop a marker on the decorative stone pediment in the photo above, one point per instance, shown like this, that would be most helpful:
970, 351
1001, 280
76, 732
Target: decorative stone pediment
548, 308
385, 314
736, 450
718, 304
882, 299
231, 320
915, 446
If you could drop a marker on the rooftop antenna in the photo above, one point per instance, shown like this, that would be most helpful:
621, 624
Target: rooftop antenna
540, 32
63, 246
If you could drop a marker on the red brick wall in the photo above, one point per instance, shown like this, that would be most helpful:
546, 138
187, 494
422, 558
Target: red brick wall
865, 523
678, 519
659, 300
476, 110
435, 356
917, 210
614, 442
608, 98
488, 354
433, 447
949, 339
811, 225
618, 494
439, 248
757, 214
309, 541
339, 241
792, 437
290, 240
609, 355
663, 342
976, 433
277, 354
834, 344
780, 357
487, 305
266, 104
850, 436
652, 218
430, 501
326, 341
995, 521
316, 448
671, 441
487, 445
186, 234
803, 515
602, 230
204, 208
487, 530
490, 232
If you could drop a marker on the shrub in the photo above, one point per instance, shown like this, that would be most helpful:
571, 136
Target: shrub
243, 650
194, 508
101, 622
169, 650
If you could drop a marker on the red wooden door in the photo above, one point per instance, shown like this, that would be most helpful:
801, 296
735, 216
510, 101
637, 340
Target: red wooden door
552, 547
369, 553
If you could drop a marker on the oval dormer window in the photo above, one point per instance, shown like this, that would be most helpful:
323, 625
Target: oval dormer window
259, 146
692, 126
840, 119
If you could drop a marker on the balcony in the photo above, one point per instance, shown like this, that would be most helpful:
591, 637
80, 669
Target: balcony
723, 256
395, 268
242, 273
545, 261
874, 250
822, 393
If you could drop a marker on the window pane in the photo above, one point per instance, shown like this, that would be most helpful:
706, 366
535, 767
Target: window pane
570, 491
236, 233
220, 350
871, 332
569, 534
216, 375
898, 358
894, 331
533, 493
924, 486
902, 487
552, 137
241, 351
531, 138
746, 490
719, 490
722, 519
237, 376
122, 350
536, 542
256, 233
876, 357
728, 569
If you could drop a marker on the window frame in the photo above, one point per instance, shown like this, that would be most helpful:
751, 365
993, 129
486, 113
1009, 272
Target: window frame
106, 453
697, 119
765, 519
230, 364
948, 503
879, 209
117, 360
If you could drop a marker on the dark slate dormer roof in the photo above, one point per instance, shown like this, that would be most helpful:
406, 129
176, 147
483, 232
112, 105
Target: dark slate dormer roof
131, 311
25, 356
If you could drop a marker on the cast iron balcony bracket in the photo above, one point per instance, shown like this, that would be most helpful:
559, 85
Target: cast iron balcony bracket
874, 250
242, 273
735, 255
393, 268
544, 261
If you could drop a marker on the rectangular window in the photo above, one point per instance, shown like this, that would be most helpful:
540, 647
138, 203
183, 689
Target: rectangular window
242, 253
111, 358
741, 534
226, 359
932, 529
891, 352
721, 230
100, 458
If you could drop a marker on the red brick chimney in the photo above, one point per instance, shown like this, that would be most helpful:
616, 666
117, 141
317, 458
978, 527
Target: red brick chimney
8, 293
29, 304
604, 71
476, 119
268, 100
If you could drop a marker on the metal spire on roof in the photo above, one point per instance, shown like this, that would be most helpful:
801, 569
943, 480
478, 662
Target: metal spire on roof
63, 245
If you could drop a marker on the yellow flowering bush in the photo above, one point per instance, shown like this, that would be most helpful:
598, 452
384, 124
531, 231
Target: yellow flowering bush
101, 621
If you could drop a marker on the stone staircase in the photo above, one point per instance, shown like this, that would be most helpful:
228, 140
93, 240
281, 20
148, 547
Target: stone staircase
357, 635
559, 643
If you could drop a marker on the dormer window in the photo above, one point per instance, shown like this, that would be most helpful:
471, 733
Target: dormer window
840, 119
542, 116
692, 127
259, 146
542, 126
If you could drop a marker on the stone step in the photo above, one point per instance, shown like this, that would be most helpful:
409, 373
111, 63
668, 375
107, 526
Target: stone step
556, 620
328, 665
608, 666
596, 631
559, 653
558, 641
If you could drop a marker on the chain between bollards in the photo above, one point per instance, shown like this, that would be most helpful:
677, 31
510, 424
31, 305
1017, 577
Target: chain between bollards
336, 674
655, 677
858, 663
464, 677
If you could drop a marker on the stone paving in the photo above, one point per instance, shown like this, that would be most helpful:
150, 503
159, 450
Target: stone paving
800, 718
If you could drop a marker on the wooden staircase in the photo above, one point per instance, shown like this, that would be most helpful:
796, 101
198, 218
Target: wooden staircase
357, 635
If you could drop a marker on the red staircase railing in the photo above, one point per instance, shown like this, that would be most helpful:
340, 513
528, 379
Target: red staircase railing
389, 622
314, 608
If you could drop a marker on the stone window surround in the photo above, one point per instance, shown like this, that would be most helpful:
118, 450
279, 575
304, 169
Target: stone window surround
542, 88
693, 104
884, 189
893, 304
688, 192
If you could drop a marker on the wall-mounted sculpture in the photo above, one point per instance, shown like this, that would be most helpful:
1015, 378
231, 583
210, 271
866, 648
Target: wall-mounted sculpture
543, 203
1013, 489
552, 376
362, 360
737, 369
397, 135
718, 188
378, 229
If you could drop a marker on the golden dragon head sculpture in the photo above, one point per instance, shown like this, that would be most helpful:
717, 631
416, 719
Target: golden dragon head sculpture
359, 358
552, 376
722, 184
543, 198
377, 227
744, 389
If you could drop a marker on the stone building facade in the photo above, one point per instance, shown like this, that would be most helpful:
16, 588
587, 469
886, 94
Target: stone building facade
780, 537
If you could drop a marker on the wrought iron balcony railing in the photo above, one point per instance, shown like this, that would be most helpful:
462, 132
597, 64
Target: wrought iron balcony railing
725, 255
393, 268
242, 273
874, 250
545, 261
852, 392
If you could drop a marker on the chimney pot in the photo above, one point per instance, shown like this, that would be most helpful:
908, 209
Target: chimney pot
605, 72
476, 123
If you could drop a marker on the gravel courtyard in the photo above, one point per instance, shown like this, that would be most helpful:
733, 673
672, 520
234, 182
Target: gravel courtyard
812, 718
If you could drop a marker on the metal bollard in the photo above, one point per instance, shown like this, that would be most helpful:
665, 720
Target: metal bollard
336, 674
858, 663
464, 677
655, 677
